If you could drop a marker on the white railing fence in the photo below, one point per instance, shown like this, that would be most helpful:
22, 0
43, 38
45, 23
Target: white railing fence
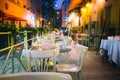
12, 52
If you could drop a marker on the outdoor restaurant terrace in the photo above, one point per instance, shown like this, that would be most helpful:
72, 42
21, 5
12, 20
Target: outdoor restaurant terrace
80, 41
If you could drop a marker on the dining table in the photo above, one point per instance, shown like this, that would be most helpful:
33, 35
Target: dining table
113, 48
42, 48
60, 45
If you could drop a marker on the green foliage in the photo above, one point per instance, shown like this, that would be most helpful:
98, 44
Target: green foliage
14, 30
29, 28
3, 28
53, 24
86, 26
40, 29
48, 11
9, 28
43, 30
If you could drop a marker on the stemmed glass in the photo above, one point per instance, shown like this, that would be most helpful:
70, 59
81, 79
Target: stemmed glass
39, 44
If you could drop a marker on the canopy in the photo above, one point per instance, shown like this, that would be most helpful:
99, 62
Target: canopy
10, 17
73, 4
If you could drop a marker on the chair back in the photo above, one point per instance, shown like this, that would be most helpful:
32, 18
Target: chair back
45, 60
48, 40
82, 57
82, 50
36, 76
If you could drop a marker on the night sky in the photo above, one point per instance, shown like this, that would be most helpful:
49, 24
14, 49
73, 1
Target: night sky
59, 2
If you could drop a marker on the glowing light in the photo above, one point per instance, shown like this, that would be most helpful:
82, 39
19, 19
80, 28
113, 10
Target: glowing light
48, 22
76, 19
73, 19
56, 5
89, 5
30, 19
83, 9
72, 15
58, 12
100, 1
86, 13
101, 4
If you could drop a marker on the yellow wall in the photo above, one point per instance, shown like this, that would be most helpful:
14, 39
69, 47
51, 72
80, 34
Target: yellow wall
17, 10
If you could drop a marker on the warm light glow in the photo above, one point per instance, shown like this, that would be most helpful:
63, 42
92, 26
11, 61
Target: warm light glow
83, 9
37, 23
48, 22
18, 13
76, 19
73, 19
89, 5
30, 19
72, 15
101, 4
80, 20
86, 13
58, 12
101, 1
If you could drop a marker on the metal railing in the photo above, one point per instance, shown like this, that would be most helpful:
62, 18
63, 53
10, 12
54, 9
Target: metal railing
11, 50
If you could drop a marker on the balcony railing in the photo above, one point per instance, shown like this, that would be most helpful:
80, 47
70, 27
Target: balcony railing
12, 53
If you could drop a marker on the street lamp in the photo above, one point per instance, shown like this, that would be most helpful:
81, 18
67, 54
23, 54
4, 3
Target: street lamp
56, 5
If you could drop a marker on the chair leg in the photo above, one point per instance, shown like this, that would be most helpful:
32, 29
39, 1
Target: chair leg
80, 75
74, 75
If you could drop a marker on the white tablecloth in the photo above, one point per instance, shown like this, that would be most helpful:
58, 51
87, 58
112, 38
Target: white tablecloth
113, 47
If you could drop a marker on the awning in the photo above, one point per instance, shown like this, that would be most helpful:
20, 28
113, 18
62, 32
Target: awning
11, 11
10, 17
73, 4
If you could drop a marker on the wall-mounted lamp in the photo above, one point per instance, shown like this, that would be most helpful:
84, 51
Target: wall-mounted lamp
83, 9
88, 5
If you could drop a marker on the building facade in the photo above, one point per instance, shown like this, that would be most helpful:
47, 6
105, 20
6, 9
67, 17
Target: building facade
20, 12
64, 14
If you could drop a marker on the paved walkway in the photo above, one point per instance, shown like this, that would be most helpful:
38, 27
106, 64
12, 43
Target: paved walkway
94, 69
